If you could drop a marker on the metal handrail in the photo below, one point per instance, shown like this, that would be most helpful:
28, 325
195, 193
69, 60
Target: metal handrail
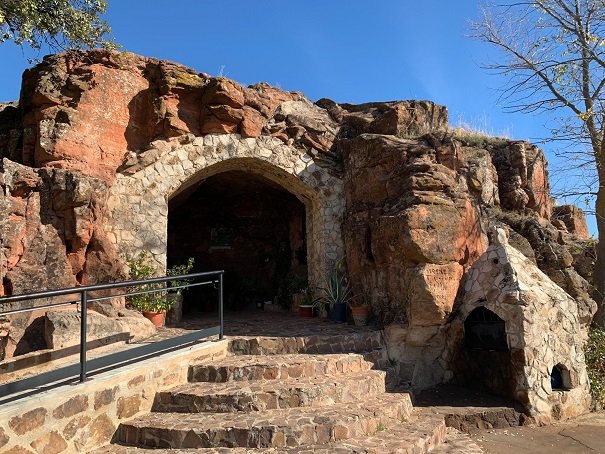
109, 360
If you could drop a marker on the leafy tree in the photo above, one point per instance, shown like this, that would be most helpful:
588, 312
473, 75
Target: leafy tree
59, 24
553, 55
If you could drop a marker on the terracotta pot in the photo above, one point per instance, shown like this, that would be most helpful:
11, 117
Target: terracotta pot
305, 310
157, 318
360, 315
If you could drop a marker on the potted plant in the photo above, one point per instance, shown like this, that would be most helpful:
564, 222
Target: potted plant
360, 311
175, 313
156, 302
337, 294
309, 304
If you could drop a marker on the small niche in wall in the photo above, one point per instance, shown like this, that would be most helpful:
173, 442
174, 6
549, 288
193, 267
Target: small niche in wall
560, 379
484, 330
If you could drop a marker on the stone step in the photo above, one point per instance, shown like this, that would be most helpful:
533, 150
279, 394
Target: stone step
470, 419
417, 435
272, 394
279, 428
359, 342
456, 442
248, 368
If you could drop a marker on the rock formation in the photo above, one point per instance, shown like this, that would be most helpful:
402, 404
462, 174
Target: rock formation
100, 144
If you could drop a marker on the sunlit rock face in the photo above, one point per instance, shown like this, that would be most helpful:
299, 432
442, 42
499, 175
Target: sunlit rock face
102, 147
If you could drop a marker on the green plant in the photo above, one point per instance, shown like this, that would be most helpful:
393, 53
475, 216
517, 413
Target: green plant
595, 364
156, 298
337, 289
381, 428
288, 286
178, 270
310, 299
298, 283
60, 24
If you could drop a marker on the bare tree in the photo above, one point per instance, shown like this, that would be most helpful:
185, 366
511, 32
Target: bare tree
553, 55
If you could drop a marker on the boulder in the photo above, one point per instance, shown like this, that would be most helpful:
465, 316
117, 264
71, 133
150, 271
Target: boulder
523, 177
573, 219
398, 118
138, 327
62, 329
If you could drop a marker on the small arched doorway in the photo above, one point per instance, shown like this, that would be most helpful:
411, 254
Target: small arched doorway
484, 330
243, 223
485, 359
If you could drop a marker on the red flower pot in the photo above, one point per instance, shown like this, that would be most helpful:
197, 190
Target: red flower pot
157, 318
305, 310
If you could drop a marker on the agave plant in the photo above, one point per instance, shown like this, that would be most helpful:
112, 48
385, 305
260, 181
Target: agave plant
337, 289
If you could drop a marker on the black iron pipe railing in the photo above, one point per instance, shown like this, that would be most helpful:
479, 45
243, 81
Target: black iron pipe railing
130, 355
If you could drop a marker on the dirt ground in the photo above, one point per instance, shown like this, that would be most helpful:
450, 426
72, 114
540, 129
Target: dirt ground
585, 434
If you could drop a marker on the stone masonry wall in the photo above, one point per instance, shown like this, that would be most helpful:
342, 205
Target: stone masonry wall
82, 417
138, 200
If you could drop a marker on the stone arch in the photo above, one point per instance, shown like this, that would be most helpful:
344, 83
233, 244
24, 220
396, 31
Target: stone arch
484, 329
138, 201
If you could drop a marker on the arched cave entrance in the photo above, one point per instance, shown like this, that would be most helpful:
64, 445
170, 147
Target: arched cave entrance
485, 360
247, 225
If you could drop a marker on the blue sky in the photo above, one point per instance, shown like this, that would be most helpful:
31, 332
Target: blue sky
350, 51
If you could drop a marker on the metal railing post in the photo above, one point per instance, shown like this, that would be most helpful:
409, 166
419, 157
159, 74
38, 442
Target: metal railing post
83, 311
220, 306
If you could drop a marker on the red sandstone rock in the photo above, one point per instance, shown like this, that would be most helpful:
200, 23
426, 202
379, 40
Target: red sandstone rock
523, 178
407, 211
88, 128
252, 122
266, 99
573, 219
221, 91
398, 118
53, 231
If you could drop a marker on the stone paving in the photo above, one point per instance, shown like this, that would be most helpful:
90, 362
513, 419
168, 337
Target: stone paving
582, 435
260, 323
457, 442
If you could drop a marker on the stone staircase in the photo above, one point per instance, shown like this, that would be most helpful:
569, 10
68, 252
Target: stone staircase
294, 395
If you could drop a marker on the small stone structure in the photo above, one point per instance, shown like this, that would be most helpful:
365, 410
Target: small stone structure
543, 335
99, 146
